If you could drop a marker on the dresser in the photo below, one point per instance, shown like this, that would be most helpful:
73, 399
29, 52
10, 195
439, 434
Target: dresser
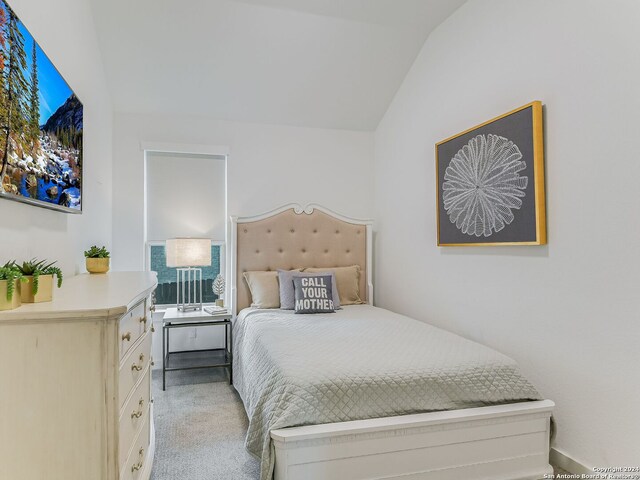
75, 373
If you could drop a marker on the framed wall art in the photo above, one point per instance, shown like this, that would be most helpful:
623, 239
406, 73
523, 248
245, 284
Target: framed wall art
490, 182
41, 123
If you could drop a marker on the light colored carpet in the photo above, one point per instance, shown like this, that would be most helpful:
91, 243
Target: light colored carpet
200, 427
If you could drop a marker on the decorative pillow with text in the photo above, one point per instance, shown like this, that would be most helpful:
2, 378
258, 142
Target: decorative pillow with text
313, 294
287, 292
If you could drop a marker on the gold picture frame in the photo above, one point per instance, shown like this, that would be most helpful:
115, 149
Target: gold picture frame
485, 195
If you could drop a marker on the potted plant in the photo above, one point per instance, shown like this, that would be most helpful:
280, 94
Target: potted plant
39, 280
218, 288
10, 280
97, 259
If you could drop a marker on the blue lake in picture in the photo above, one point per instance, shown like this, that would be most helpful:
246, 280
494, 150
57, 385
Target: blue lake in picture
43, 138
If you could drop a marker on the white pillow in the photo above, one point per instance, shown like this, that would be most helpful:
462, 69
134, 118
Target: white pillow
264, 287
265, 292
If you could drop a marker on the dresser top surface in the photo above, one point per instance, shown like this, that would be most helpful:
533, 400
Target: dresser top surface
89, 296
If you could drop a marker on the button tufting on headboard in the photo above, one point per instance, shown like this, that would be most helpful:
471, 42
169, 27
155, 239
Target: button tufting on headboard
288, 240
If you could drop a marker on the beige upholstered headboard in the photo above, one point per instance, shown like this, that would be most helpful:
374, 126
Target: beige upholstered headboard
296, 237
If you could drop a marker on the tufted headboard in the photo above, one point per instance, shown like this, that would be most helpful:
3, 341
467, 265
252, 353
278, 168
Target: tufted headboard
296, 237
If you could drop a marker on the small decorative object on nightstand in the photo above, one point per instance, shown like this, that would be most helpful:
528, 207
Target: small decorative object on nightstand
218, 288
185, 254
196, 359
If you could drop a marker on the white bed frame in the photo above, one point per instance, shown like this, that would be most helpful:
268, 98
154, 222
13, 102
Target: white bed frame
503, 442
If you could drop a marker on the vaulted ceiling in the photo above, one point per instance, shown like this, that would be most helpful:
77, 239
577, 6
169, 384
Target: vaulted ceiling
317, 63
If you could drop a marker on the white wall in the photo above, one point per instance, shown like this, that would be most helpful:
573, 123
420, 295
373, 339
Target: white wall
65, 31
569, 311
268, 166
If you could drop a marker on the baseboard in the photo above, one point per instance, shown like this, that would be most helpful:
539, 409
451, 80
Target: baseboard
565, 462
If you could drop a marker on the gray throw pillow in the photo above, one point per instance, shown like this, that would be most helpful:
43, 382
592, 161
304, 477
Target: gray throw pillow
287, 296
313, 294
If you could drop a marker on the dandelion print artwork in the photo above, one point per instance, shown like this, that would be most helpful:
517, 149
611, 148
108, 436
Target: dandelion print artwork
490, 182
483, 185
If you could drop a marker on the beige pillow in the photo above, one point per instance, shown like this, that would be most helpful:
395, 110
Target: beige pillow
348, 280
264, 287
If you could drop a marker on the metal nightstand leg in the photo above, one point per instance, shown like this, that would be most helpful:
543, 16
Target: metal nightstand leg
164, 359
230, 350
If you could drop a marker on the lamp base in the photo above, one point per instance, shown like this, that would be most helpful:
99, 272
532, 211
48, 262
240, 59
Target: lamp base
189, 308
189, 282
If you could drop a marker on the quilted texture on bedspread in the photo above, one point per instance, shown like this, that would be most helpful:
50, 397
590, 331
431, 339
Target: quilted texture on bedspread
361, 362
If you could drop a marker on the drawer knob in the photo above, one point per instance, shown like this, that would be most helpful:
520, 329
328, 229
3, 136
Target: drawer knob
140, 366
143, 320
126, 336
138, 413
137, 466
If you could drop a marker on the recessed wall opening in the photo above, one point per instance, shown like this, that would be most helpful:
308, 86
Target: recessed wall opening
185, 196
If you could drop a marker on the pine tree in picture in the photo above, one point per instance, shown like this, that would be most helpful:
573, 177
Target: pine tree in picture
34, 104
14, 85
218, 288
41, 123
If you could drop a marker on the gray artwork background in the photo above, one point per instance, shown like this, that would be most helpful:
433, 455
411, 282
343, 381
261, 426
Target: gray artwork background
517, 127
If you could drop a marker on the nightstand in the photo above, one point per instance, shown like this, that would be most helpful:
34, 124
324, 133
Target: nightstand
179, 360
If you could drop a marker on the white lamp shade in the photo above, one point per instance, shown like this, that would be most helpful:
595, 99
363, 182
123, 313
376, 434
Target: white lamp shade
188, 252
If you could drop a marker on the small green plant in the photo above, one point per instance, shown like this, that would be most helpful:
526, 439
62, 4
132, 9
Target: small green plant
10, 273
35, 268
95, 252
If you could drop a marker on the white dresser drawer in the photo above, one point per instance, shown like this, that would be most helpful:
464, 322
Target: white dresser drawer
133, 368
132, 416
135, 463
62, 366
133, 325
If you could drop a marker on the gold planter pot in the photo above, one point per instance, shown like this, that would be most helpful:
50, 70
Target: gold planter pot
97, 265
45, 289
15, 301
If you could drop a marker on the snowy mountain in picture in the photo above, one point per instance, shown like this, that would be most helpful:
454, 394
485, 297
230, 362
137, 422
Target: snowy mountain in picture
41, 123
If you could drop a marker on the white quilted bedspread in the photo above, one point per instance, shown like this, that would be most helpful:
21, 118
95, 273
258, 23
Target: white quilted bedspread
360, 362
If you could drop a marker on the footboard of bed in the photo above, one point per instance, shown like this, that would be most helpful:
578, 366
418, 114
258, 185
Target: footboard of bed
504, 442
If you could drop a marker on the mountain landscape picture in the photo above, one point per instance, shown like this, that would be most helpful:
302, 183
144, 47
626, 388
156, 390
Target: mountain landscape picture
40, 123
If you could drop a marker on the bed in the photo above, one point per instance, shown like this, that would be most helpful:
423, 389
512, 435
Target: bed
364, 393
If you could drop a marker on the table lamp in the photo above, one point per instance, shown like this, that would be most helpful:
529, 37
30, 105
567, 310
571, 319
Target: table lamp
186, 254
